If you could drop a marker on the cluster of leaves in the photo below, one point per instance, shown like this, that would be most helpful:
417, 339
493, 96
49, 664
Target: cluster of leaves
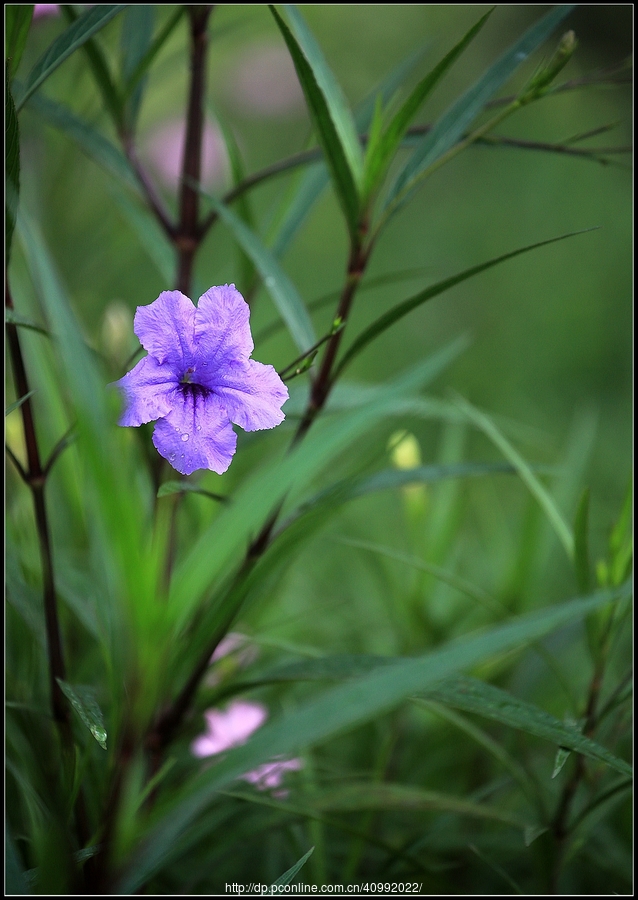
139, 624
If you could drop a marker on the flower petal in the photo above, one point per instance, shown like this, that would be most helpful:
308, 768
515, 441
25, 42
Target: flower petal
196, 433
166, 329
222, 331
148, 390
252, 394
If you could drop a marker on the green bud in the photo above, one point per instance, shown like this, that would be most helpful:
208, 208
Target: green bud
542, 80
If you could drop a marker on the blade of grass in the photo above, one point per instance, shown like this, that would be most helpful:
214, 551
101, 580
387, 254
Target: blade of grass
290, 873
17, 24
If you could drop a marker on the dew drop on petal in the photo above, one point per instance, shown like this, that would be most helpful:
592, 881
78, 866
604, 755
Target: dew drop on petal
184, 437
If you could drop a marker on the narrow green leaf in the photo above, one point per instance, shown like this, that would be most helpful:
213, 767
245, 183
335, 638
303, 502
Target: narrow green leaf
380, 156
290, 873
279, 286
135, 42
402, 309
15, 882
14, 318
146, 61
12, 166
350, 798
83, 701
562, 755
88, 139
337, 105
101, 72
17, 24
88, 24
316, 177
543, 497
345, 178
475, 696
390, 479
581, 543
451, 126
341, 709
151, 237
18, 403
186, 487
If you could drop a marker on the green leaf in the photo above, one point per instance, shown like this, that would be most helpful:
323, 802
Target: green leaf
380, 154
402, 309
83, 701
451, 126
526, 474
15, 882
186, 487
335, 136
14, 318
581, 543
101, 72
12, 166
151, 237
337, 105
279, 286
88, 139
562, 755
341, 709
18, 403
17, 24
350, 798
146, 61
475, 696
290, 873
67, 43
135, 42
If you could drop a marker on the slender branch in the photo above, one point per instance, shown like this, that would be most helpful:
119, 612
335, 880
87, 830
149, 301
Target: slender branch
36, 479
59, 448
16, 462
153, 199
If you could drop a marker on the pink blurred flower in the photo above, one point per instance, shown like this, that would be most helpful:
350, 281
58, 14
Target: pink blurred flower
40, 10
165, 150
264, 82
233, 727
229, 728
270, 775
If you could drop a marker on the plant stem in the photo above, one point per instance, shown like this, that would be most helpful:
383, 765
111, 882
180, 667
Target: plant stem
187, 237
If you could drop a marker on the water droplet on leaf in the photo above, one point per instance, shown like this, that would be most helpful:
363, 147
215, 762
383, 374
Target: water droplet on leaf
184, 437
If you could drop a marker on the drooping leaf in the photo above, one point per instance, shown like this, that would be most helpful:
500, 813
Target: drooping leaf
328, 119
290, 873
83, 701
100, 68
137, 33
278, 284
88, 24
340, 709
349, 798
17, 24
456, 120
402, 309
146, 61
535, 487
381, 151
12, 166
88, 139
14, 318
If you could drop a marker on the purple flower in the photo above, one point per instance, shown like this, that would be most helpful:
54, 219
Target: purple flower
270, 775
198, 379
